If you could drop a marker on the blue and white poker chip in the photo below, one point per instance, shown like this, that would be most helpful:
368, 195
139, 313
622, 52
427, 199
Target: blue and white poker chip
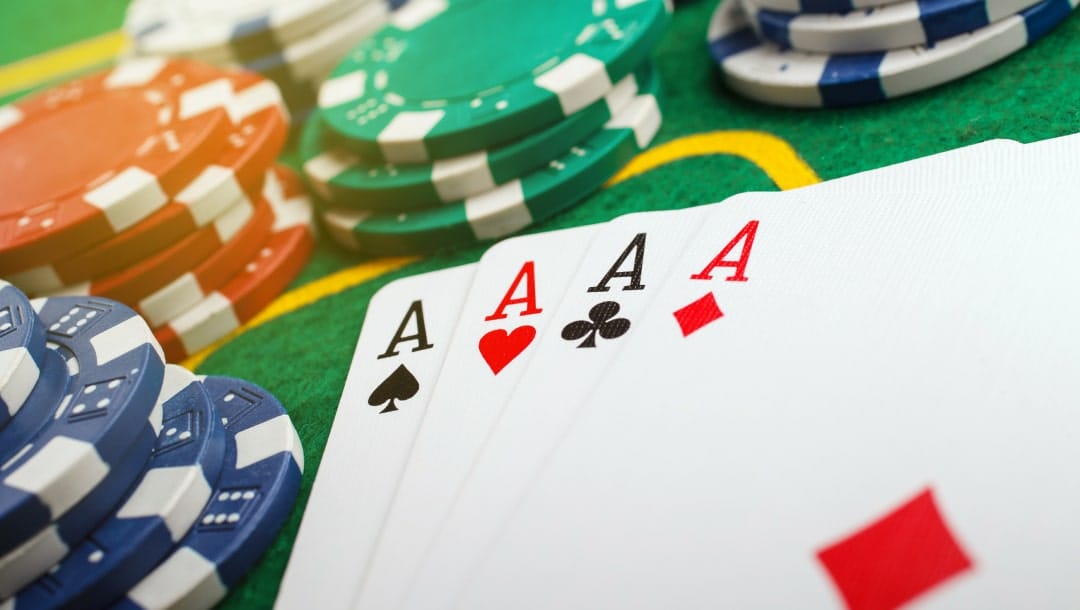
894, 26
38, 409
157, 512
22, 351
765, 72
73, 471
254, 495
820, 6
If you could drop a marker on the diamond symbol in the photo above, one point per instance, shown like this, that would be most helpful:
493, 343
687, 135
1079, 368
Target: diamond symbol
696, 315
897, 558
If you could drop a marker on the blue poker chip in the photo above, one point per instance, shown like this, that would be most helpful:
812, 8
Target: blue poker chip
74, 470
22, 351
254, 495
765, 72
156, 513
893, 26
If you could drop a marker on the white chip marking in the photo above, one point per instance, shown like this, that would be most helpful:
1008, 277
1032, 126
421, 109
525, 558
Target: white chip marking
402, 140
127, 197
122, 338
469, 173
168, 302
268, 439
9, 117
176, 495
208, 96
326, 166
643, 116
22, 376
20, 567
498, 212
211, 192
343, 89
228, 224
578, 81
38, 280
203, 324
60, 474
135, 72
184, 580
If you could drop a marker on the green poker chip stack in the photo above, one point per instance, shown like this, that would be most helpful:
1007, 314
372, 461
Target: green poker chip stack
464, 121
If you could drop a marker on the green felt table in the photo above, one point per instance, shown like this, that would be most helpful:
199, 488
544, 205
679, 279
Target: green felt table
712, 136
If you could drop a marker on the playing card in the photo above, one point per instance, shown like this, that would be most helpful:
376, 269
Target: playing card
619, 274
630, 257
402, 344
517, 287
852, 399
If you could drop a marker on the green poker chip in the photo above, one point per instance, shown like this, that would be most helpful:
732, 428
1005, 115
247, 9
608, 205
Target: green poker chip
402, 96
512, 206
341, 177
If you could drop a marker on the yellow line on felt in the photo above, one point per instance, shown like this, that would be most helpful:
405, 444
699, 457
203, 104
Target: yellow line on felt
773, 155
304, 296
54, 64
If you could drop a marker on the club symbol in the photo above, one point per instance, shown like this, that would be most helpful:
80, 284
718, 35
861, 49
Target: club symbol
602, 321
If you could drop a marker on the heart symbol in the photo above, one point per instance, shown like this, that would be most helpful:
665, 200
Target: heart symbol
499, 348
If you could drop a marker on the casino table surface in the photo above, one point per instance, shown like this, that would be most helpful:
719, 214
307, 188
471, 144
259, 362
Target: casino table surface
713, 144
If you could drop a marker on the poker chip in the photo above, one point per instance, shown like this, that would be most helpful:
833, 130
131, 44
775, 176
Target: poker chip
22, 351
187, 290
254, 494
510, 207
820, 6
235, 31
163, 119
154, 515
144, 278
264, 277
893, 26
74, 469
298, 68
401, 97
765, 72
345, 179
259, 126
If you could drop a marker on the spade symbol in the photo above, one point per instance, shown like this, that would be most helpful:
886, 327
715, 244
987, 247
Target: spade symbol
602, 321
399, 385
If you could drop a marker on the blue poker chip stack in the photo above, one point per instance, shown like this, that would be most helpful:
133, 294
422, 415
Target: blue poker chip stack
827, 53
295, 44
126, 481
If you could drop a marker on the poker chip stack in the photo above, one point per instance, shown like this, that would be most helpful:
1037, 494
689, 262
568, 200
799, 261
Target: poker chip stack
825, 53
154, 184
126, 482
293, 43
462, 122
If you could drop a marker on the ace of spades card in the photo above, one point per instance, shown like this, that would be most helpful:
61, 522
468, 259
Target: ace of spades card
399, 353
516, 288
864, 400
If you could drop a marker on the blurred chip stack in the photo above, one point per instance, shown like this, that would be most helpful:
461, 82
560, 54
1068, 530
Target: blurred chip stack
825, 53
153, 183
295, 44
128, 482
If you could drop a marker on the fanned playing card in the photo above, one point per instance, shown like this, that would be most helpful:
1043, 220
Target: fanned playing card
856, 399
402, 346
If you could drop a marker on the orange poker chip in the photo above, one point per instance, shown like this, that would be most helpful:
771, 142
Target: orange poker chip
263, 278
258, 129
89, 159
